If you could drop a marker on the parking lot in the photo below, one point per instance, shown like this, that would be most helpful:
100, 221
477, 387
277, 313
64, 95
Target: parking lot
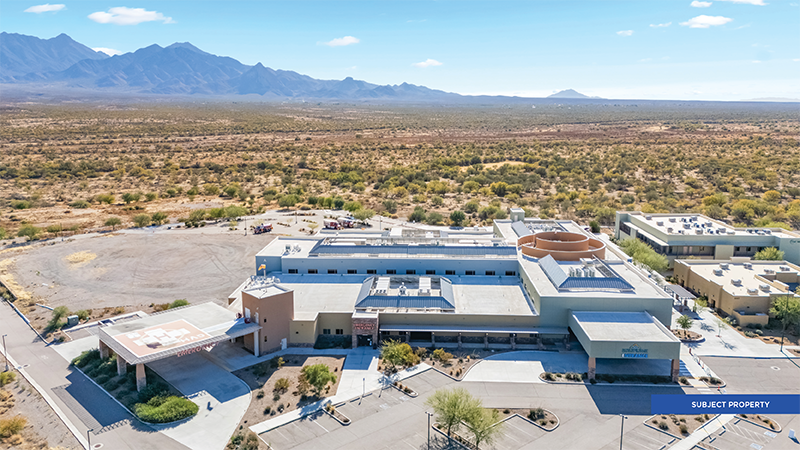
739, 434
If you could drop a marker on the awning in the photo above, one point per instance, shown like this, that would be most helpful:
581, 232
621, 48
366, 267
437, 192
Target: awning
622, 334
680, 291
474, 329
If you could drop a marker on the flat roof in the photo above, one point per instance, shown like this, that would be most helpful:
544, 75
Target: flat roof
174, 331
745, 272
473, 329
689, 224
638, 326
642, 286
474, 294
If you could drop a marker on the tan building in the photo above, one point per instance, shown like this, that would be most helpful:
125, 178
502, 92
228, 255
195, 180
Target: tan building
739, 287
272, 307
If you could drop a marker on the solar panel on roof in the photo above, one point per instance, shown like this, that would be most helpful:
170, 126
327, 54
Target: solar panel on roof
416, 250
610, 281
521, 229
553, 270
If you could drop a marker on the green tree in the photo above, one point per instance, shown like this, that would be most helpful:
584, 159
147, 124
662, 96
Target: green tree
786, 309
362, 215
141, 220
29, 231
113, 222
318, 376
484, 424
418, 215
104, 198
338, 203
769, 254
390, 206
211, 189
458, 217
499, 188
685, 322
232, 211
159, 218
3, 233
395, 353
594, 226
437, 201
129, 197
471, 207
352, 206
771, 196
434, 218
59, 312
452, 407
644, 254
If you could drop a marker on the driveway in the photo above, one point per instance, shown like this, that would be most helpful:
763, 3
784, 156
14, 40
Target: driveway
526, 366
223, 399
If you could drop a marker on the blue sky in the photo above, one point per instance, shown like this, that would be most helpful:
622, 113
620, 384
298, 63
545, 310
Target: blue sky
683, 49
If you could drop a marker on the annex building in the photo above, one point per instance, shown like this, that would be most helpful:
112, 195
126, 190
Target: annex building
741, 288
523, 284
680, 236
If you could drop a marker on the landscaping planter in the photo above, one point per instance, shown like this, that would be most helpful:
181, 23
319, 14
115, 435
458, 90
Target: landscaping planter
760, 421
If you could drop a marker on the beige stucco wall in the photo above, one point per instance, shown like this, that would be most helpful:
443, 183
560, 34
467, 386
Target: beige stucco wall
303, 332
556, 310
334, 321
723, 252
273, 314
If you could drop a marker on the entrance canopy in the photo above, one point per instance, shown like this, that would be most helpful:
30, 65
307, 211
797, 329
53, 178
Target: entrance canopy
611, 334
174, 332
680, 292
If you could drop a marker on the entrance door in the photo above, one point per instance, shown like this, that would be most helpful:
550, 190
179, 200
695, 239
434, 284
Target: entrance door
364, 340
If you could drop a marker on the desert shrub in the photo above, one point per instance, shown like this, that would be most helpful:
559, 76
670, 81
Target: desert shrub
7, 377
683, 380
59, 312
684, 429
663, 425
12, 426
267, 410
102, 379
83, 314
548, 376
276, 396
79, 204
162, 409
536, 413
442, 356
178, 303
281, 385
159, 218
21, 204
29, 231
260, 394
277, 362
142, 220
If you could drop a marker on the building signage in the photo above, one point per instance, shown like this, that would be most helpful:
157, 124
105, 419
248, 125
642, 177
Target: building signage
196, 349
364, 326
634, 351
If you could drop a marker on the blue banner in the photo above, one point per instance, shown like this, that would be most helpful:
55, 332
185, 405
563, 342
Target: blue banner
725, 404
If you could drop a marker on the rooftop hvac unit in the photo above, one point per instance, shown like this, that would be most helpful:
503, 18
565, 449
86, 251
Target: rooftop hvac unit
725, 266
687, 226
698, 231
731, 232
648, 217
767, 231
669, 230
769, 271
748, 266
718, 272
720, 230
785, 268
694, 218
764, 287
736, 282
752, 291
672, 219
660, 223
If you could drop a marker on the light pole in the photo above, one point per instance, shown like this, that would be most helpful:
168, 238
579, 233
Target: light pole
5, 351
429, 428
621, 428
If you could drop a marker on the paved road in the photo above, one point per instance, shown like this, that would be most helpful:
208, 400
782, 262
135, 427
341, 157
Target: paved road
84, 405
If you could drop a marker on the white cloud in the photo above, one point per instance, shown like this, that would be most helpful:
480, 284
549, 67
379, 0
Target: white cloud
747, 2
625, 32
706, 21
122, 15
47, 7
107, 51
660, 25
796, 60
697, 4
342, 41
427, 63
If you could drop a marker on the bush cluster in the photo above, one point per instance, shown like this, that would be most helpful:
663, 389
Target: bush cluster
163, 409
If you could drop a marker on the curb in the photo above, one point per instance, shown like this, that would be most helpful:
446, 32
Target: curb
558, 421
665, 432
617, 383
780, 428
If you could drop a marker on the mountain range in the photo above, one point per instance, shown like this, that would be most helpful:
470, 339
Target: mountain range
180, 68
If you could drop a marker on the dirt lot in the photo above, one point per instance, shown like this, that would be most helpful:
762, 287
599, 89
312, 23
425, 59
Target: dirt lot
262, 377
43, 430
132, 269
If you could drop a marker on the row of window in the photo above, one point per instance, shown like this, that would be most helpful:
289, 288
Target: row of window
328, 331
509, 273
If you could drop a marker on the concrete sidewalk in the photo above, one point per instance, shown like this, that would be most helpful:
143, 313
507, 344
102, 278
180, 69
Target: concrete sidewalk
703, 432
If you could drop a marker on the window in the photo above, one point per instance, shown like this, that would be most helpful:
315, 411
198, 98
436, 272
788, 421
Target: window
326, 331
333, 271
352, 271
371, 271
292, 270
411, 272
490, 272
312, 270
469, 272
510, 273
430, 272
449, 272
265, 320
390, 271
265, 339
339, 331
